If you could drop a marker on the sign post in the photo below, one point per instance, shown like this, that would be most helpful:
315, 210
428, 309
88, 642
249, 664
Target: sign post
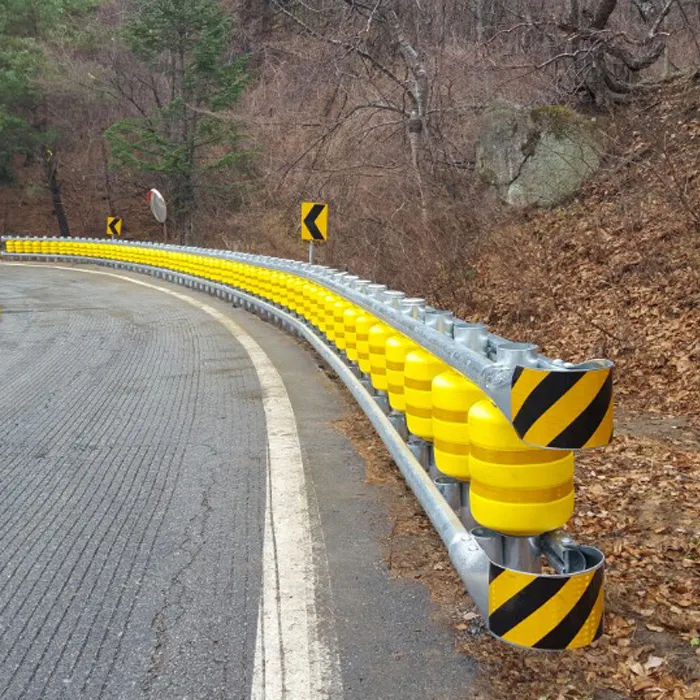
159, 209
314, 224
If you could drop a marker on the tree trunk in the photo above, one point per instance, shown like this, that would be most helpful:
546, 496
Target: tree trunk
602, 15
415, 130
108, 180
480, 21
51, 161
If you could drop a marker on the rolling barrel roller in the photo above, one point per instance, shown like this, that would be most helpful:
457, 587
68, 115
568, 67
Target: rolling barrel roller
515, 489
453, 395
397, 348
378, 336
421, 368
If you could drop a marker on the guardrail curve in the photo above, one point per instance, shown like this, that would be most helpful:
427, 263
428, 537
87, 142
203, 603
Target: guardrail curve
481, 428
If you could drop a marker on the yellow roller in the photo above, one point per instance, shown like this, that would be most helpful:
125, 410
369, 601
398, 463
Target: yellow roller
421, 368
397, 348
297, 298
319, 308
379, 334
339, 309
306, 292
363, 323
350, 322
327, 316
278, 288
516, 489
453, 395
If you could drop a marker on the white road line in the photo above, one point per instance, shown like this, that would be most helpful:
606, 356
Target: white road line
292, 662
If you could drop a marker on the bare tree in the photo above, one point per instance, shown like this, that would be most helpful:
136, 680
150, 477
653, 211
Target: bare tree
393, 64
607, 60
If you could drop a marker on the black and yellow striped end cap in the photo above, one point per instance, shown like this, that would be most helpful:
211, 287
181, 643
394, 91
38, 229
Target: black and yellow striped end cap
563, 409
546, 612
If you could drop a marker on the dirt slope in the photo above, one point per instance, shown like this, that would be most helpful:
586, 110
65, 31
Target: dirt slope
615, 273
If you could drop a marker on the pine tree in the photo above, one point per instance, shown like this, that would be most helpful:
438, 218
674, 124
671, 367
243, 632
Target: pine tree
184, 139
26, 27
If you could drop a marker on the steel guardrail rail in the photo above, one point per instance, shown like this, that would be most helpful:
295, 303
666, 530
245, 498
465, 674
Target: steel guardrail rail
499, 586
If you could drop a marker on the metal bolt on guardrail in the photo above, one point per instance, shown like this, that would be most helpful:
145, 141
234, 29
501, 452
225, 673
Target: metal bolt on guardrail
482, 428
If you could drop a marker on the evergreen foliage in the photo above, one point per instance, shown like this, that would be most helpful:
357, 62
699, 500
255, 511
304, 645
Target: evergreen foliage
184, 139
24, 26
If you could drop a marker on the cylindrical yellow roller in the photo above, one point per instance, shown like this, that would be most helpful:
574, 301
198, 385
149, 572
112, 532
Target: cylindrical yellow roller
397, 348
379, 334
292, 294
339, 309
516, 489
278, 291
11, 245
215, 269
264, 282
362, 325
350, 322
453, 395
294, 300
421, 369
328, 315
237, 276
319, 308
299, 305
260, 281
308, 300
285, 290
247, 278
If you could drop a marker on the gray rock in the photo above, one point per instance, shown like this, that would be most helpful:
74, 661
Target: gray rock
536, 156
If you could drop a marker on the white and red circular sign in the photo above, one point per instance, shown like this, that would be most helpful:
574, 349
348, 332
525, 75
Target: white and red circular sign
158, 206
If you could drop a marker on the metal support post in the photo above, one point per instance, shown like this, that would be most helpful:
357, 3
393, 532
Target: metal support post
522, 554
398, 420
449, 488
491, 542
465, 512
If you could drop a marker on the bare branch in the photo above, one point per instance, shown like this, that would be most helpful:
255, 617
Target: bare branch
337, 42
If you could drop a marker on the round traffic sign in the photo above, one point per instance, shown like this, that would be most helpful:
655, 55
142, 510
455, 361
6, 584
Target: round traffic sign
158, 206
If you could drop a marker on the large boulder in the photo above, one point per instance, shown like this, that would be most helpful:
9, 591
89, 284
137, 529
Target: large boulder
536, 156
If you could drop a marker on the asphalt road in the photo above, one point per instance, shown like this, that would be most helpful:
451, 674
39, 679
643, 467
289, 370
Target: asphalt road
136, 454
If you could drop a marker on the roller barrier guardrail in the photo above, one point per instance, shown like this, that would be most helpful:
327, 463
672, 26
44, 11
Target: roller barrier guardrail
481, 428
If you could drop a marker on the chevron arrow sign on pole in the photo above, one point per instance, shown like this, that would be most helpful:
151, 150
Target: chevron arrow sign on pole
114, 226
314, 221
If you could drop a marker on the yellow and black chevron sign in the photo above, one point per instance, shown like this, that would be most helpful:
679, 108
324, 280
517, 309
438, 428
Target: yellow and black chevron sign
546, 612
566, 410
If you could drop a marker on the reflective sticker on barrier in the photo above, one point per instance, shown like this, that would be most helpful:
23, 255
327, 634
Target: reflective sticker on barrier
563, 409
546, 612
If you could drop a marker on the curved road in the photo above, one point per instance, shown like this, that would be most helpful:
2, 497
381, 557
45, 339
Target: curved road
152, 541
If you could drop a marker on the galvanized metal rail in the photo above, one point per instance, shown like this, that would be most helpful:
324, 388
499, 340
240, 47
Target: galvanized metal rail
501, 573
